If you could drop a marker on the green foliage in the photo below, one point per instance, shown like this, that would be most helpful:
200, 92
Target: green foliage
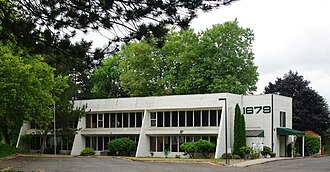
122, 147
267, 151
245, 151
234, 156
226, 156
254, 155
239, 131
166, 152
310, 111
204, 147
7, 150
189, 148
312, 144
188, 63
28, 89
87, 152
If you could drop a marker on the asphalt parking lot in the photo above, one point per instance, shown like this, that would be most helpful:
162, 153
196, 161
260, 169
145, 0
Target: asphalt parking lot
120, 165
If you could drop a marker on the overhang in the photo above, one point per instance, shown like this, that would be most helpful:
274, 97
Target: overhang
254, 133
288, 131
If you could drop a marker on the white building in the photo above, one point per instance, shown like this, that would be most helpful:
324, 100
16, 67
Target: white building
163, 122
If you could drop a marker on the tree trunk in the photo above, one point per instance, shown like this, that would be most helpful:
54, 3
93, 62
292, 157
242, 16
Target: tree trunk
44, 142
6, 134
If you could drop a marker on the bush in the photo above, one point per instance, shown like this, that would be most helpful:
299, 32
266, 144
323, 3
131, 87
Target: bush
254, 155
267, 151
228, 156
189, 148
87, 152
204, 147
245, 152
166, 152
235, 157
177, 156
122, 147
312, 144
6, 150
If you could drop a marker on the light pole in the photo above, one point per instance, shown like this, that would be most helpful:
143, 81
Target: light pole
226, 144
54, 132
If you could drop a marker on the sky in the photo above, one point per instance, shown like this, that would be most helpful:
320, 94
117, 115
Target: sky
289, 35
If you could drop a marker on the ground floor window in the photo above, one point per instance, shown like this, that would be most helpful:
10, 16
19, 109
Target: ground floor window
99, 143
63, 143
172, 143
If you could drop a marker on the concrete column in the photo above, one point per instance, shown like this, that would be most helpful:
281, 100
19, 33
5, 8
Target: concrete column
303, 146
144, 141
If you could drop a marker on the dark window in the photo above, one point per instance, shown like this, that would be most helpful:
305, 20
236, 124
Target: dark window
181, 141
205, 118
132, 120
106, 141
139, 119
153, 144
159, 143
189, 138
282, 119
174, 119
125, 120
182, 119
167, 142
119, 120
94, 120
113, 120
153, 119
100, 143
174, 144
213, 118
213, 139
219, 117
88, 120
197, 118
205, 138
88, 142
196, 138
94, 143
106, 120
100, 121
189, 118
167, 119
159, 119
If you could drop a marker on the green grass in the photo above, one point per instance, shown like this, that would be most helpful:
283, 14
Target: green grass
6, 150
175, 159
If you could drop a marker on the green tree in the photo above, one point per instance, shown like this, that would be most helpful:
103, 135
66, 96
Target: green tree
28, 89
189, 148
239, 131
309, 109
204, 147
216, 60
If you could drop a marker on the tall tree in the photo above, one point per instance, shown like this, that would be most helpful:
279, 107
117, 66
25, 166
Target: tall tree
28, 89
216, 60
310, 111
239, 130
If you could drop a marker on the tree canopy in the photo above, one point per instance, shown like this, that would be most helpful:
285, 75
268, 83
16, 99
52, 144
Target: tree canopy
219, 59
310, 110
28, 89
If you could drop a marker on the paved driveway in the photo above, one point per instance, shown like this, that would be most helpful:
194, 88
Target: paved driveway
114, 164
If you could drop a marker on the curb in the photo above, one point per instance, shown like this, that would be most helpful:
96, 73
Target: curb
10, 157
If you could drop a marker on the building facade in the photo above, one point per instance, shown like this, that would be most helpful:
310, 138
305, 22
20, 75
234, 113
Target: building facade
165, 122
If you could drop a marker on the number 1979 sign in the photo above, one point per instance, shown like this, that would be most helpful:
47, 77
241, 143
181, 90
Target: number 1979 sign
256, 109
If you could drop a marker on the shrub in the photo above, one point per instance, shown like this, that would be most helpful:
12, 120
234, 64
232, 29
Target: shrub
189, 148
254, 155
267, 151
87, 152
6, 150
166, 152
245, 151
122, 147
228, 156
177, 156
312, 144
235, 156
272, 155
204, 147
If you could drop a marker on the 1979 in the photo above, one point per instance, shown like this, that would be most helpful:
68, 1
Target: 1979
256, 109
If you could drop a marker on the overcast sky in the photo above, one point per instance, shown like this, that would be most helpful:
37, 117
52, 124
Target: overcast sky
289, 34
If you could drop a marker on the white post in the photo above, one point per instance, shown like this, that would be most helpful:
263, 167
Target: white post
55, 143
303, 146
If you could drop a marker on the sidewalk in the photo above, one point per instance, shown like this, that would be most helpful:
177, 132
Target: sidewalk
258, 161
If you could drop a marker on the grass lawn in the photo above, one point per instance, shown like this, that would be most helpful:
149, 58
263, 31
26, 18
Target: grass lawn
7, 150
211, 160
